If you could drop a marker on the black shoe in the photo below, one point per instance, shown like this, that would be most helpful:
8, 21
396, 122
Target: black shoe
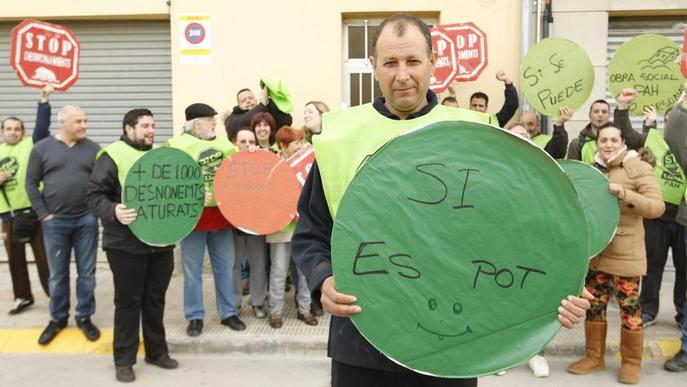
678, 363
20, 305
679, 319
89, 330
234, 323
316, 309
194, 328
125, 374
163, 361
49, 333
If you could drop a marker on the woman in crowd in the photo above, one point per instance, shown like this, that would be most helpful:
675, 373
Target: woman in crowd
290, 141
312, 118
264, 127
618, 268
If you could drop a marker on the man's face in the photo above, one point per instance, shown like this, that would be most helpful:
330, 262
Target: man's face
205, 127
74, 124
531, 123
520, 131
143, 133
246, 100
403, 69
599, 114
478, 104
244, 139
12, 131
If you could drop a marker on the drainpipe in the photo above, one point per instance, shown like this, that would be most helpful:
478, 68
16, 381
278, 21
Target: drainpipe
545, 18
526, 41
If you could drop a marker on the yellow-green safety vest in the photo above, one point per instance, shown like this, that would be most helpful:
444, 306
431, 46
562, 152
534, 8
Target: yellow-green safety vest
14, 160
124, 157
208, 153
541, 140
671, 178
588, 150
350, 136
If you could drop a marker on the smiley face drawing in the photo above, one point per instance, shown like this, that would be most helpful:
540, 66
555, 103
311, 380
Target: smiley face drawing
456, 308
459, 240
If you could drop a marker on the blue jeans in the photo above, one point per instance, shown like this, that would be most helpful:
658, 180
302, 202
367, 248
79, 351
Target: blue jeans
220, 245
61, 235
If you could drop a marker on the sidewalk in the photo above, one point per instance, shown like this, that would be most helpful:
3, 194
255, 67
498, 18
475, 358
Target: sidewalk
18, 334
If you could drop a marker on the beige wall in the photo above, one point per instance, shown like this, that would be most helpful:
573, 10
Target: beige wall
593, 15
297, 41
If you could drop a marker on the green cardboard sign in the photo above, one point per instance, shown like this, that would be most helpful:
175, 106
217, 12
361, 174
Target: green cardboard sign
649, 64
600, 206
166, 188
459, 241
556, 72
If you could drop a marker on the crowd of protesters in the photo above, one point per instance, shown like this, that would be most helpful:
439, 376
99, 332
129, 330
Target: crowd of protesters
55, 187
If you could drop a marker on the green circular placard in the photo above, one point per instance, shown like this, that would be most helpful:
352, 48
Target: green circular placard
166, 188
459, 241
600, 206
556, 72
649, 64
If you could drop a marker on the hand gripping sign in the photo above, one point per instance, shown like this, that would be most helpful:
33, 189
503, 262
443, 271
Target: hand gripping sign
257, 192
649, 64
459, 241
166, 188
601, 208
556, 72
44, 53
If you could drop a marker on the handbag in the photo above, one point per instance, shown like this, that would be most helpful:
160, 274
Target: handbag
23, 226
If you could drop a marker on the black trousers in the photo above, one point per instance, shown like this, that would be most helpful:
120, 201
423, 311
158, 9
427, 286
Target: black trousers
16, 255
140, 283
344, 375
659, 237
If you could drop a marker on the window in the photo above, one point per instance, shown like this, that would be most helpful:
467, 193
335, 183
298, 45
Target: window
359, 85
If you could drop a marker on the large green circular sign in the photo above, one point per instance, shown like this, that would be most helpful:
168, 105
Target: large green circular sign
600, 206
556, 72
459, 241
166, 188
649, 64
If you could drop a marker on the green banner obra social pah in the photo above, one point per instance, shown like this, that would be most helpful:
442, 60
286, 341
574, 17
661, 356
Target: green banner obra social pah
649, 64
459, 241
601, 208
166, 188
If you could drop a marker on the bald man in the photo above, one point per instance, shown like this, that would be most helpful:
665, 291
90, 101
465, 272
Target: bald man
555, 145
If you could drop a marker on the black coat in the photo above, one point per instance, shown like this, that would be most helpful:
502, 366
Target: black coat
240, 118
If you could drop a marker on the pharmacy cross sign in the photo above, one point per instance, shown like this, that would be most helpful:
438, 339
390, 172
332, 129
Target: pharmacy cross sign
44, 53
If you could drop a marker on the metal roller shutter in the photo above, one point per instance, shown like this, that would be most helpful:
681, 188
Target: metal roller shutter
124, 65
622, 29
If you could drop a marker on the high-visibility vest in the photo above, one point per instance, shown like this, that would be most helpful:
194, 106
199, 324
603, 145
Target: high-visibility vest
124, 157
350, 136
588, 150
541, 140
671, 178
14, 160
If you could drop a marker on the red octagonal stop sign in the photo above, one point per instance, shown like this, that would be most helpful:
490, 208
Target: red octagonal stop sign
471, 49
446, 64
44, 53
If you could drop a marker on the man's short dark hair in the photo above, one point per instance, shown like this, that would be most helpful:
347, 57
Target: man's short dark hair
131, 117
400, 22
21, 123
239, 93
603, 101
449, 99
480, 95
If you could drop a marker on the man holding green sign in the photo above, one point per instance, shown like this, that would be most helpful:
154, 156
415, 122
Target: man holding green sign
403, 64
141, 272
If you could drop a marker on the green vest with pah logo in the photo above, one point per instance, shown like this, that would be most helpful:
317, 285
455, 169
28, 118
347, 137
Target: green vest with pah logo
208, 153
124, 157
350, 136
14, 160
670, 177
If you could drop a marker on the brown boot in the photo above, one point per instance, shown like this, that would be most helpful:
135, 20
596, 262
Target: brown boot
631, 346
595, 343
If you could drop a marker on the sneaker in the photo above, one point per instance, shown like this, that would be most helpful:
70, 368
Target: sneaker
89, 330
539, 366
194, 328
20, 305
163, 361
259, 311
647, 320
678, 363
500, 373
234, 323
125, 374
49, 333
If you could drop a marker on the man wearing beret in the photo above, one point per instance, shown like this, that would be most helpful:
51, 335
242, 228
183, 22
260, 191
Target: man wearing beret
213, 230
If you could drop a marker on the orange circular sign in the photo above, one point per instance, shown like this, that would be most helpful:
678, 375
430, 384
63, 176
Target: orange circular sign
257, 192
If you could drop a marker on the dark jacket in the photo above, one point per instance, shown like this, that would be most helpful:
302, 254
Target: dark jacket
556, 148
311, 250
103, 194
676, 137
621, 120
510, 105
240, 118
